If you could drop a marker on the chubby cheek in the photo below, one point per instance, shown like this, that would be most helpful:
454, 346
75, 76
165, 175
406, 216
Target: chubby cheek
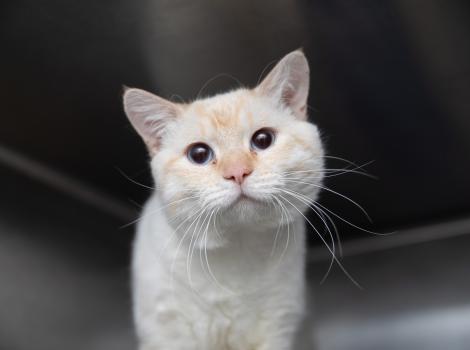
290, 155
285, 156
177, 178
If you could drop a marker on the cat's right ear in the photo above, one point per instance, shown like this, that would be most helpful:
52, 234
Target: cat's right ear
288, 83
149, 115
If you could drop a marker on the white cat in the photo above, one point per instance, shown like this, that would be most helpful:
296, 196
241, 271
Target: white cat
219, 255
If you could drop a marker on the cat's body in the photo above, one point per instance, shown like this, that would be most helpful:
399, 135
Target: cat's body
219, 255
261, 310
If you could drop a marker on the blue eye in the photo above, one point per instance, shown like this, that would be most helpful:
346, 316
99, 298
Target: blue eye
200, 153
262, 139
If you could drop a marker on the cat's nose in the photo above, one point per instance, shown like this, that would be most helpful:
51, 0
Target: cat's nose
237, 173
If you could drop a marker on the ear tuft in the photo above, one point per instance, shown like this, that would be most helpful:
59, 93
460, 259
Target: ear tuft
288, 83
149, 115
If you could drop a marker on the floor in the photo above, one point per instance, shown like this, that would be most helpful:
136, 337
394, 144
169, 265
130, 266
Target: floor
413, 297
64, 284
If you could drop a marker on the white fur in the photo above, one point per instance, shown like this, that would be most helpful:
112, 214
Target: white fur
211, 271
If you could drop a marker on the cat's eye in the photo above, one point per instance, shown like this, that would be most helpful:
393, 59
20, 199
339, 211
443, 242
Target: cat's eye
200, 153
262, 139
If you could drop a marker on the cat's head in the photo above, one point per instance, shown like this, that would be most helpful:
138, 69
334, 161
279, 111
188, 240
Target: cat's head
245, 155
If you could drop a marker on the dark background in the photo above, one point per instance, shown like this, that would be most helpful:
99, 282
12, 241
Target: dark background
390, 83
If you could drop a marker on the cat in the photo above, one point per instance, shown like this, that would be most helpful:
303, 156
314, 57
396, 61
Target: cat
218, 260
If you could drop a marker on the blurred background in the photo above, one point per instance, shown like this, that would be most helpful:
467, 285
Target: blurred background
390, 88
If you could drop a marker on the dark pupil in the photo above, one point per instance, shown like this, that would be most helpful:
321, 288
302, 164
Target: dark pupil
199, 153
262, 139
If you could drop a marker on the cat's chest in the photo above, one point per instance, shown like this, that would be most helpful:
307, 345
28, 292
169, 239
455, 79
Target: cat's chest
215, 322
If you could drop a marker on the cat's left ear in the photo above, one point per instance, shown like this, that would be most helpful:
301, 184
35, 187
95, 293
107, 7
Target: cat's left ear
149, 114
288, 83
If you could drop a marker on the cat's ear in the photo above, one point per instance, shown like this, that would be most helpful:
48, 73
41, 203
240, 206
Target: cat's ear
149, 115
288, 83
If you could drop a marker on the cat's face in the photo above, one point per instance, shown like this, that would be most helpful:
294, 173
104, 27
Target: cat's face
243, 155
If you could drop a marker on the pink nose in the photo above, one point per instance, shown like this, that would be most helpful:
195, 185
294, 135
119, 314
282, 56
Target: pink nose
237, 173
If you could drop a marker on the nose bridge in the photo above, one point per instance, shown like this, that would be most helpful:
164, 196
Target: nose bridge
236, 165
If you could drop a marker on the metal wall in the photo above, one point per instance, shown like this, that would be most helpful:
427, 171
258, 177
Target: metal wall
390, 84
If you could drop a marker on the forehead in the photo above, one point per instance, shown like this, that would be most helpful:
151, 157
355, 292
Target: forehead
223, 118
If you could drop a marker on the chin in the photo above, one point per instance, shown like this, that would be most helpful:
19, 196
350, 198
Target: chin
248, 210
245, 204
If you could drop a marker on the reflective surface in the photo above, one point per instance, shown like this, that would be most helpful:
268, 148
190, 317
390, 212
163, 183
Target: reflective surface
390, 84
64, 274
415, 298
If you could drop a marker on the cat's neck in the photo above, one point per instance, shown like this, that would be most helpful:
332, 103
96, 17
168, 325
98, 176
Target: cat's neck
209, 232
242, 253
265, 240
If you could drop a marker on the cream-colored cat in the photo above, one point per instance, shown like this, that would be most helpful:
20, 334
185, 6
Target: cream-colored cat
219, 254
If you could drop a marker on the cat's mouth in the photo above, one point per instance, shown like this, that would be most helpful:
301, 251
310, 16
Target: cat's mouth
244, 198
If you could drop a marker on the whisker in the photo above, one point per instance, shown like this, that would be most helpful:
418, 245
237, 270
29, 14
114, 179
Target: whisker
269, 65
132, 180
344, 160
335, 229
156, 211
321, 214
215, 225
351, 224
334, 192
346, 221
216, 281
278, 226
354, 165
175, 231
333, 247
336, 171
326, 244
175, 97
288, 232
355, 170
350, 171
199, 213
217, 76
138, 205
192, 245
